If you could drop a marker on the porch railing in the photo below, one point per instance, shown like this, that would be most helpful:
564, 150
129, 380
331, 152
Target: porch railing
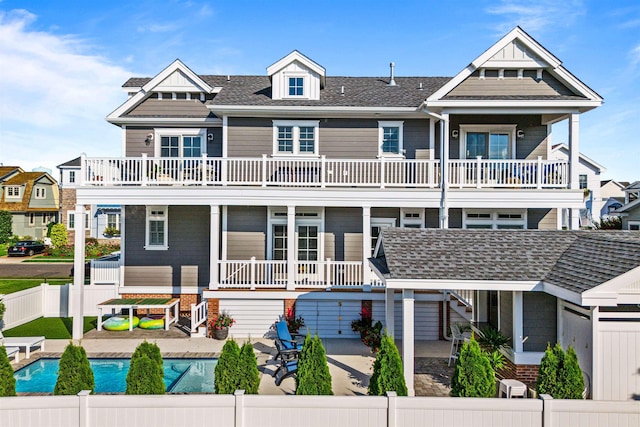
198, 315
259, 274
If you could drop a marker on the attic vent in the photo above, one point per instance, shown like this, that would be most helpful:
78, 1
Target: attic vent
392, 81
228, 78
420, 86
341, 90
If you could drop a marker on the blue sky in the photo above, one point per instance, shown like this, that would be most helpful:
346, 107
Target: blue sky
62, 63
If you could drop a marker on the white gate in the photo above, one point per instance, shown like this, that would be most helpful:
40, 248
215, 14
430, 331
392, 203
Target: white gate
618, 367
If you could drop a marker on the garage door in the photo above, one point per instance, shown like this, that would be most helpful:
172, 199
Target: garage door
426, 318
329, 319
253, 317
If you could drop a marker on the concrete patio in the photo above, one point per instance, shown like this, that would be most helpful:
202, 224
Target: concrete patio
350, 361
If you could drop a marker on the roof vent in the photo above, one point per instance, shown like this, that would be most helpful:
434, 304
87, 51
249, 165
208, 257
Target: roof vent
341, 90
420, 86
392, 81
228, 78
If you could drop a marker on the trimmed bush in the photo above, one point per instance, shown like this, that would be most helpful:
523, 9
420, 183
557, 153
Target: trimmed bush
58, 235
473, 375
227, 370
249, 378
152, 351
7, 381
313, 377
560, 375
388, 373
547, 382
143, 377
571, 375
74, 372
5, 226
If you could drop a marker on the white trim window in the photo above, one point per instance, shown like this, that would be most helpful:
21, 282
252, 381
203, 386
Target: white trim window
180, 142
309, 234
295, 86
157, 228
634, 225
488, 141
295, 137
12, 191
390, 139
41, 192
512, 219
71, 220
377, 224
411, 218
72, 177
113, 221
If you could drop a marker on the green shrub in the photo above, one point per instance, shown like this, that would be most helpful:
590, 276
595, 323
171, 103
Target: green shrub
611, 223
5, 226
249, 378
547, 381
111, 231
74, 373
388, 372
559, 374
7, 381
227, 369
143, 377
152, 351
571, 375
59, 236
473, 375
313, 377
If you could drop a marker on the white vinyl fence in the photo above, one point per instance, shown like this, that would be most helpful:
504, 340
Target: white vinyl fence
241, 410
52, 301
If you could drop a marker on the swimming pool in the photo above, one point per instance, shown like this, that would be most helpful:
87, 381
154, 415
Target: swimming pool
180, 375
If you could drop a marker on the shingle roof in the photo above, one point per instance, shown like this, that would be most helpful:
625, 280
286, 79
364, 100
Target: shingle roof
6, 170
26, 180
575, 260
71, 163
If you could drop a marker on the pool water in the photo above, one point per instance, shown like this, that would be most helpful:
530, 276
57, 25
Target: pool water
180, 375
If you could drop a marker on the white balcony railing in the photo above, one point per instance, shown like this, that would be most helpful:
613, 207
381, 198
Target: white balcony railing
257, 274
322, 172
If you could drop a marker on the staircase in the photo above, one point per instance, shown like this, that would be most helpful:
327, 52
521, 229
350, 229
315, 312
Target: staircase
462, 303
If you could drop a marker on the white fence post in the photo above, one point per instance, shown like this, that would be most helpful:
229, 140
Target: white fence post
239, 394
83, 408
392, 400
547, 419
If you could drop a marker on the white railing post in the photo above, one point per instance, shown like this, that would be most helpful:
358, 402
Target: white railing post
83, 169
143, 170
323, 171
204, 169
328, 280
194, 318
264, 170
382, 172
239, 394
253, 273
224, 166
539, 173
478, 175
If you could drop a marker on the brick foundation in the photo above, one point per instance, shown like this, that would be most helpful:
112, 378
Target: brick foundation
213, 308
185, 302
528, 374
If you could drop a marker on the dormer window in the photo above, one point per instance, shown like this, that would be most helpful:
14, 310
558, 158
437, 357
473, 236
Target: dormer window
13, 192
296, 86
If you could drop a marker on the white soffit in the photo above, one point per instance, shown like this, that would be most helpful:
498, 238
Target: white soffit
305, 61
622, 289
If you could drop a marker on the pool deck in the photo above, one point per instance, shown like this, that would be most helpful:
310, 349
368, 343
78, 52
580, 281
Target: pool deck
350, 361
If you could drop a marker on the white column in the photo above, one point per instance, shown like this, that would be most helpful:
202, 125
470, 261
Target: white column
597, 371
366, 244
517, 321
408, 345
389, 312
444, 160
291, 247
214, 247
78, 273
432, 137
574, 162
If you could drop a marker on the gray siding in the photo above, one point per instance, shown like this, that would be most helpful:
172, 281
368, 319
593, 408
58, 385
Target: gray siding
135, 141
169, 108
539, 320
633, 215
506, 315
533, 144
415, 136
543, 219
247, 232
214, 148
248, 137
348, 139
188, 233
510, 85
342, 227
50, 199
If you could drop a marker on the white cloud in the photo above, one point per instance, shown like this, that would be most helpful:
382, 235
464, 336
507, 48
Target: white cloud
54, 96
157, 28
536, 17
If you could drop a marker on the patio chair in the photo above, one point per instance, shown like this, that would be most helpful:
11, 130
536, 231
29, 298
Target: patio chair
26, 342
288, 368
457, 339
286, 343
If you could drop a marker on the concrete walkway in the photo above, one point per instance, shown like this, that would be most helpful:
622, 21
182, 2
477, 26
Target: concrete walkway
350, 361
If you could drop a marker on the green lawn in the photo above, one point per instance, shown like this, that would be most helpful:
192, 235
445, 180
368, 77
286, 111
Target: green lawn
50, 327
9, 286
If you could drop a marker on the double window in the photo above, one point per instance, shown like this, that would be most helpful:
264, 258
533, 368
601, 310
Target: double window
299, 138
157, 223
180, 143
113, 221
390, 139
488, 141
41, 192
13, 191
308, 229
496, 220
71, 220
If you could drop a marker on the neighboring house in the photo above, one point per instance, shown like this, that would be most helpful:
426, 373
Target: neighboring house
632, 192
610, 206
589, 178
611, 193
98, 217
630, 211
31, 197
579, 288
256, 194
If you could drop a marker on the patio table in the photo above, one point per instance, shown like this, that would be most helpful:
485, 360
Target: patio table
141, 303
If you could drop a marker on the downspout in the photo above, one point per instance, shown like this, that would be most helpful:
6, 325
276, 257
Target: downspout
445, 309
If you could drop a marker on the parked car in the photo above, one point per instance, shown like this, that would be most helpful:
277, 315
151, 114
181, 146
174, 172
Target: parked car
113, 256
26, 248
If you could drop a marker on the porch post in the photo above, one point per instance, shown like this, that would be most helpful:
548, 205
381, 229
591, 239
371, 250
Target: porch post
78, 272
517, 322
389, 312
291, 247
444, 170
432, 137
366, 244
408, 345
214, 247
574, 162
